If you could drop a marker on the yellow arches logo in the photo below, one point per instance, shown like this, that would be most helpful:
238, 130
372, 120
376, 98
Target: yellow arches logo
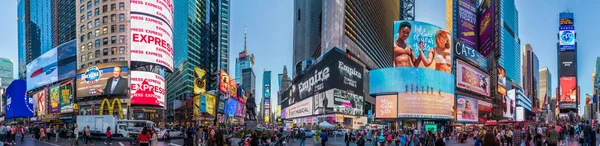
111, 107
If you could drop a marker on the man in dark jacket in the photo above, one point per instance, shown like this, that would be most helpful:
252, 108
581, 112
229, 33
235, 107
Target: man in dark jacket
360, 141
587, 133
489, 138
347, 139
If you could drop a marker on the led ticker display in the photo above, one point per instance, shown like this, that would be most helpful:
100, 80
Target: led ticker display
152, 32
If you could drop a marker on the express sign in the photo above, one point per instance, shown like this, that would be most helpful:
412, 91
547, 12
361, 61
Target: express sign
152, 32
147, 88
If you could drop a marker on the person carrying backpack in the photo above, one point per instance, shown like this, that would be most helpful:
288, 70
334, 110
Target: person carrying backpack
553, 137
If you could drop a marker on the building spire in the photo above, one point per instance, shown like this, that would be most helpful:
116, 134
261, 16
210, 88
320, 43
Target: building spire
245, 30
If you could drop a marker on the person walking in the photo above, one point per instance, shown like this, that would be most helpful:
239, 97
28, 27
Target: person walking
517, 136
154, 138
323, 137
347, 138
88, 135
42, 133
211, 140
360, 141
144, 137
302, 137
587, 134
552, 137
55, 131
76, 133
108, 136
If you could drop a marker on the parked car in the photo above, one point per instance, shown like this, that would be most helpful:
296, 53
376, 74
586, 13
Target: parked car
339, 133
309, 133
172, 133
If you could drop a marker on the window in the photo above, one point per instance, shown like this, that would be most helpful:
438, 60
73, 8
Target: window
105, 51
89, 46
81, 1
105, 61
97, 32
113, 28
90, 57
97, 61
89, 5
90, 24
122, 39
105, 41
82, 38
113, 39
113, 17
105, 30
82, 18
121, 6
121, 50
96, 12
97, 43
298, 14
121, 17
97, 54
97, 22
121, 58
121, 28
89, 35
113, 59
113, 7
82, 28
104, 8
96, 2
89, 14
83, 58
82, 48
81, 9
104, 19
113, 50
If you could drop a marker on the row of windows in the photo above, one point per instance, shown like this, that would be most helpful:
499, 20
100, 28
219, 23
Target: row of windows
103, 61
113, 29
105, 52
96, 22
113, 7
113, 40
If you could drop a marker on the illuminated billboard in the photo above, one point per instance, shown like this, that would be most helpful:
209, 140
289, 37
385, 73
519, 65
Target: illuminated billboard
566, 19
486, 23
386, 106
18, 105
231, 107
485, 111
323, 102
568, 89
233, 88
347, 103
67, 60
467, 109
509, 104
103, 79
224, 82
40, 97
467, 21
66, 97
152, 32
423, 45
147, 88
199, 81
42, 70
207, 103
300, 109
470, 54
472, 79
54, 99
567, 63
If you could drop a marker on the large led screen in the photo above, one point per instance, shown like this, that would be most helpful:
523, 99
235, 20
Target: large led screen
152, 32
54, 99
386, 106
40, 97
470, 54
467, 109
423, 45
323, 102
566, 40
486, 23
347, 103
567, 63
67, 60
467, 21
17, 103
509, 104
103, 79
485, 111
568, 89
43, 70
147, 88
224, 82
300, 109
231, 107
472, 79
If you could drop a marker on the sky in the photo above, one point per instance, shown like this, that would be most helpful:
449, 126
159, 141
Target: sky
8, 29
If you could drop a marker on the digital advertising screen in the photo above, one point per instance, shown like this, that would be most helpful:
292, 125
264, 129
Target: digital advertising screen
300, 109
199, 81
207, 103
231, 107
470, 54
467, 109
472, 79
323, 102
103, 79
54, 99
566, 40
485, 111
147, 88
423, 45
41, 102
17, 103
567, 63
196, 107
566, 19
509, 103
347, 103
67, 60
239, 110
486, 27
42, 70
386, 106
467, 21
568, 89
520, 114
152, 32
221, 105
233, 88
66, 97
224, 82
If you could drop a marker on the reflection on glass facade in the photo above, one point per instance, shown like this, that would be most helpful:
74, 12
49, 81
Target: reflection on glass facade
6, 72
510, 58
41, 24
63, 21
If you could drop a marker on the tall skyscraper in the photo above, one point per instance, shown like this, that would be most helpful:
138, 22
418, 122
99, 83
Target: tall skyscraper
307, 29
284, 82
63, 21
545, 86
266, 97
6, 72
223, 33
35, 35
566, 48
530, 75
596, 78
510, 43
244, 69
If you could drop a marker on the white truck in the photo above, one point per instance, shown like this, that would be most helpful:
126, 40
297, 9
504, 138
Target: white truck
99, 123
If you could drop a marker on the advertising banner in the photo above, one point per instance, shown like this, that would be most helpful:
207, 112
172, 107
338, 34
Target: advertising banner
43, 70
300, 109
152, 32
67, 60
66, 97
210, 104
335, 70
41, 102
566, 19
147, 88
485, 111
472, 79
501, 77
467, 109
239, 110
267, 104
568, 89
347, 103
196, 108
509, 104
386, 106
323, 102
566, 40
486, 23
17, 104
520, 114
470, 54
411, 80
94, 80
423, 45
467, 21
221, 105
224, 82
233, 88
199, 81
231, 107
54, 99
567, 63
430, 106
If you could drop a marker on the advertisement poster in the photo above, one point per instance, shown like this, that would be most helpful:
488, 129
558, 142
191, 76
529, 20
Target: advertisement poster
196, 108
147, 88
41, 102
233, 88
54, 99
567, 63
415, 41
210, 104
486, 23
94, 80
239, 110
66, 97
467, 21
67, 59
470, 54
520, 114
566, 40
224, 82
300, 109
43, 70
199, 81
17, 103
231, 107
386, 106
323, 102
509, 104
485, 111
467, 109
152, 32
221, 103
267, 104
568, 89
347, 103
472, 79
